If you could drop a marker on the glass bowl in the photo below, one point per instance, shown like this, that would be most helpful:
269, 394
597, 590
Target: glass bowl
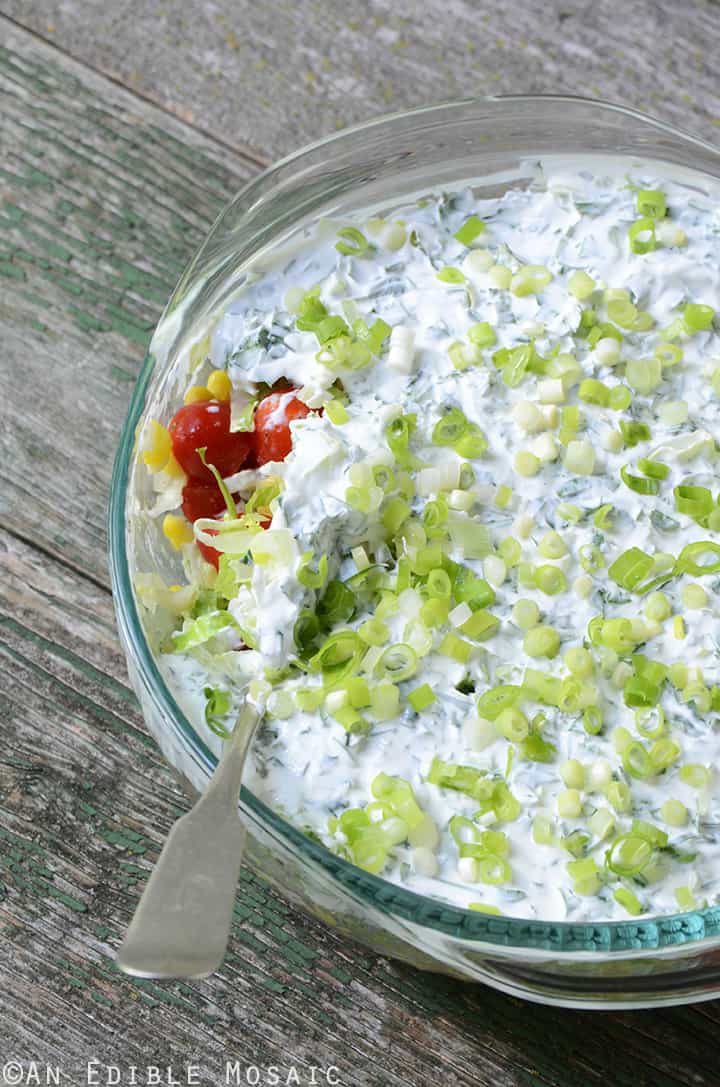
491, 143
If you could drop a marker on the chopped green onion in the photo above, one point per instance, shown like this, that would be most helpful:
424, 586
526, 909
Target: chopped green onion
651, 203
338, 656
397, 662
481, 625
688, 559
698, 318
385, 701
644, 375
592, 391
640, 693
631, 568
450, 275
309, 699
633, 433
591, 558
353, 242
394, 514
397, 435
535, 749
541, 687
668, 353
696, 776
492, 703
455, 648
542, 641
603, 331
310, 312
336, 605
482, 334
550, 580
463, 779
696, 502
639, 484
217, 705
628, 901
619, 796
581, 285
636, 760
305, 632
329, 328
653, 469
336, 412
472, 444
449, 429
471, 229
629, 854
664, 753
592, 720
641, 236
312, 579
421, 697
619, 398
530, 279
374, 631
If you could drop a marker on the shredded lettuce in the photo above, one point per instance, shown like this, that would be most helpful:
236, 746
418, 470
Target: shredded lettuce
242, 411
200, 630
229, 501
233, 537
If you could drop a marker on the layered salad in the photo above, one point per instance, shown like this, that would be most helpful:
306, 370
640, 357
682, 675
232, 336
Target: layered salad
443, 501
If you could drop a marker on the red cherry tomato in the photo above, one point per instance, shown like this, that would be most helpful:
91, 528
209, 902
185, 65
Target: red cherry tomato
207, 424
273, 415
201, 499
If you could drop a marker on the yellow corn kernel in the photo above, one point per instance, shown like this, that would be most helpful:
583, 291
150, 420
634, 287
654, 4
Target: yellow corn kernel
177, 530
159, 446
173, 469
219, 385
196, 394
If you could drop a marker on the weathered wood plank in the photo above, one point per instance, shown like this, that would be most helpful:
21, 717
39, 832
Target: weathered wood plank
277, 75
105, 197
86, 802
103, 200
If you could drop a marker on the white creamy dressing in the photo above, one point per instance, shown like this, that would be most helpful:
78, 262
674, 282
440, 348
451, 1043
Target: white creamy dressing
306, 765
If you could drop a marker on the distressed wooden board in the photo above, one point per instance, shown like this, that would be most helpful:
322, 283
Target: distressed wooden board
86, 803
104, 197
278, 74
103, 200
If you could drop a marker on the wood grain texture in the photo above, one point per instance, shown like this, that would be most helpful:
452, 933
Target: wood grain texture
103, 201
104, 196
86, 802
278, 74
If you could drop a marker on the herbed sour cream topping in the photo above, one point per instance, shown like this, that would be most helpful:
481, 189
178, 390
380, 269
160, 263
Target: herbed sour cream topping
484, 615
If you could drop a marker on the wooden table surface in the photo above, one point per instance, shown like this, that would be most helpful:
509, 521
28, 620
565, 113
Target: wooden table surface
125, 128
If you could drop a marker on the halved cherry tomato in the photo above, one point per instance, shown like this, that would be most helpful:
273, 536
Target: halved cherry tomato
207, 424
201, 499
272, 439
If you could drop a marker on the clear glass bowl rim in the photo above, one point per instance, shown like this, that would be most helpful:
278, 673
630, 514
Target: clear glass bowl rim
582, 940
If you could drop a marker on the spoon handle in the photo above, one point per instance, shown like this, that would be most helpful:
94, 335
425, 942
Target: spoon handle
182, 922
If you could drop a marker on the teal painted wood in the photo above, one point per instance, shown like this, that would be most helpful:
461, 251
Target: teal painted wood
104, 197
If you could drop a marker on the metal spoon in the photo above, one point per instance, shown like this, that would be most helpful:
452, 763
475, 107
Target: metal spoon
181, 926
